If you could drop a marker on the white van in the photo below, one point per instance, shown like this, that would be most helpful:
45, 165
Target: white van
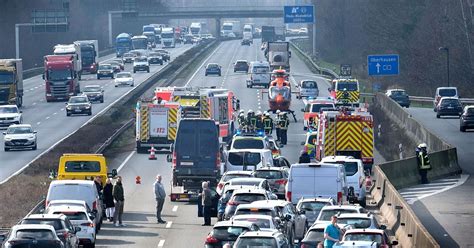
84, 190
248, 159
354, 169
316, 180
259, 74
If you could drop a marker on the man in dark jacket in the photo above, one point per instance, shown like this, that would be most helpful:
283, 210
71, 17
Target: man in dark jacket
119, 201
424, 164
160, 196
109, 199
206, 203
98, 184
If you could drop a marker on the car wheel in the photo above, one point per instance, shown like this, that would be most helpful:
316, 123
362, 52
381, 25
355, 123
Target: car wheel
35, 147
116, 86
102, 99
437, 116
220, 74
131, 85
462, 129
90, 113
148, 70
7, 149
68, 114
205, 74
251, 86
98, 78
112, 77
134, 71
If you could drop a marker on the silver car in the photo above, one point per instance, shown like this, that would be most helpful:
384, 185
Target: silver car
308, 88
312, 206
20, 137
277, 177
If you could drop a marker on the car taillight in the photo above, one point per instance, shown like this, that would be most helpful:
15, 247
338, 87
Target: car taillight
281, 181
339, 197
174, 160
46, 204
218, 161
288, 196
232, 203
211, 240
66, 235
94, 205
88, 224
220, 185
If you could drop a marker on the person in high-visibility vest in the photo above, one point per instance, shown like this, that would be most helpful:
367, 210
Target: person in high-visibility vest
259, 122
277, 121
267, 124
423, 162
311, 148
251, 121
283, 123
241, 119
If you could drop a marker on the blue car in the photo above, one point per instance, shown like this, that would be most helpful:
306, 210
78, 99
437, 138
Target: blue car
213, 68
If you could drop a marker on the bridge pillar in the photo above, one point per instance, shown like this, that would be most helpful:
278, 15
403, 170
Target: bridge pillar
218, 27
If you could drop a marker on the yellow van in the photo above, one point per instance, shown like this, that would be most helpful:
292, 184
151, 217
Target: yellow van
83, 167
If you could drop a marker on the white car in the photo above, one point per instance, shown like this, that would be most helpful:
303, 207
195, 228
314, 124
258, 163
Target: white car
141, 64
327, 212
33, 235
10, 114
79, 217
20, 137
124, 78
231, 175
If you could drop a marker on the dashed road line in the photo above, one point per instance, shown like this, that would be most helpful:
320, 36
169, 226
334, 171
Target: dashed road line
55, 113
175, 208
62, 109
38, 123
34, 103
47, 117
203, 63
125, 161
168, 224
161, 243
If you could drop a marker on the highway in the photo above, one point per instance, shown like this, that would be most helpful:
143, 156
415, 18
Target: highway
50, 120
449, 216
184, 227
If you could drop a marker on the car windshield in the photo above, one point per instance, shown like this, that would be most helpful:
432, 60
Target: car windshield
309, 84
19, 130
124, 75
315, 107
241, 63
259, 242
92, 89
56, 223
74, 215
78, 100
325, 215
82, 166
35, 234
398, 93
311, 139
360, 223
351, 168
244, 158
450, 102
364, 237
226, 178
315, 235
447, 92
58, 75
248, 144
141, 60
470, 111
248, 198
228, 232
8, 110
312, 206
105, 67
261, 69
128, 55
269, 174
212, 66
349, 86
69, 192
6, 77
261, 223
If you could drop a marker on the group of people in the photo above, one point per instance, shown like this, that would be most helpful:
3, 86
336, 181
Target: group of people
263, 122
113, 198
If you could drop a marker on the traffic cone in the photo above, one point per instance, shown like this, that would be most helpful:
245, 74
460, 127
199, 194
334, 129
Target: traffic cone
152, 154
138, 180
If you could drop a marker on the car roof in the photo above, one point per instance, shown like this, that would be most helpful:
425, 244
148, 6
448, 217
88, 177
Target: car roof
265, 234
449, 97
368, 230
254, 216
237, 223
442, 88
249, 191
322, 165
238, 173
33, 226
9, 106
241, 60
65, 202
246, 179
45, 216
124, 72
105, 64
319, 226
271, 168
19, 125
336, 207
271, 203
317, 199
212, 64
72, 182
249, 150
356, 215
256, 204
92, 86
66, 208
338, 158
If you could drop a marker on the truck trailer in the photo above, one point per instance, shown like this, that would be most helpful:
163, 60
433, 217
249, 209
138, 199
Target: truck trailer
75, 51
89, 55
278, 54
168, 37
11, 82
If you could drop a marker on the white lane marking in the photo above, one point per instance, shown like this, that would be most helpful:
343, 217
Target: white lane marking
47, 117
62, 109
168, 224
34, 103
175, 208
39, 122
161, 243
460, 182
204, 62
228, 67
55, 113
32, 89
125, 161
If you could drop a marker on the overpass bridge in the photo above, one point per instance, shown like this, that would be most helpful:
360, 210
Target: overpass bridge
217, 13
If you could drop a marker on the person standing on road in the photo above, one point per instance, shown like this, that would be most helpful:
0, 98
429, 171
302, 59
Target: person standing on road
206, 202
267, 123
119, 201
98, 184
160, 196
304, 158
424, 164
332, 233
277, 128
284, 122
109, 199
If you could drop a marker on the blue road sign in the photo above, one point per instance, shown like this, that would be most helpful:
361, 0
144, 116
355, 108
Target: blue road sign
299, 14
383, 65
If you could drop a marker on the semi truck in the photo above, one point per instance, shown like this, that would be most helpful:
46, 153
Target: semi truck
278, 54
139, 42
231, 29
75, 51
280, 33
11, 82
268, 33
61, 76
89, 54
168, 37
195, 29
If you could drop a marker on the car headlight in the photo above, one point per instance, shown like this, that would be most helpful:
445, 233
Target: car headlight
8, 139
31, 138
88, 106
68, 107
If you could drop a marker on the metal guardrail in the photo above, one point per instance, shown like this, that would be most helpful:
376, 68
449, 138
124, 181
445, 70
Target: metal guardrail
322, 70
114, 136
424, 99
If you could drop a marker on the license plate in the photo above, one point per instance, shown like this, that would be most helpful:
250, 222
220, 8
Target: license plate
182, 196
450, 107
77, 110
187, 163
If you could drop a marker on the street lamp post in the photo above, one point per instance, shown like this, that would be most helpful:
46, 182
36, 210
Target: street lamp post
447, 59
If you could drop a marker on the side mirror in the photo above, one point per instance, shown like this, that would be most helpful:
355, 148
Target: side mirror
65, 103
92, 216
383, 227
302, 110
394, 242
21, 111
169, 159
302, 212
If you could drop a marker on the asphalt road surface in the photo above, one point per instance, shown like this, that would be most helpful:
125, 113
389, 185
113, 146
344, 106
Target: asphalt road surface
184, 227
449, 215
49, 118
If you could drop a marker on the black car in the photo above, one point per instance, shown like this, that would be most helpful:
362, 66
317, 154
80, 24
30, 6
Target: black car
78, 105
105, 70
245, 42
64, 228
227, 232
164, 54
95, 93
450, 106
467, 119
37, 236
155, 58
399, 96
314, 236
213, 68
241, 65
